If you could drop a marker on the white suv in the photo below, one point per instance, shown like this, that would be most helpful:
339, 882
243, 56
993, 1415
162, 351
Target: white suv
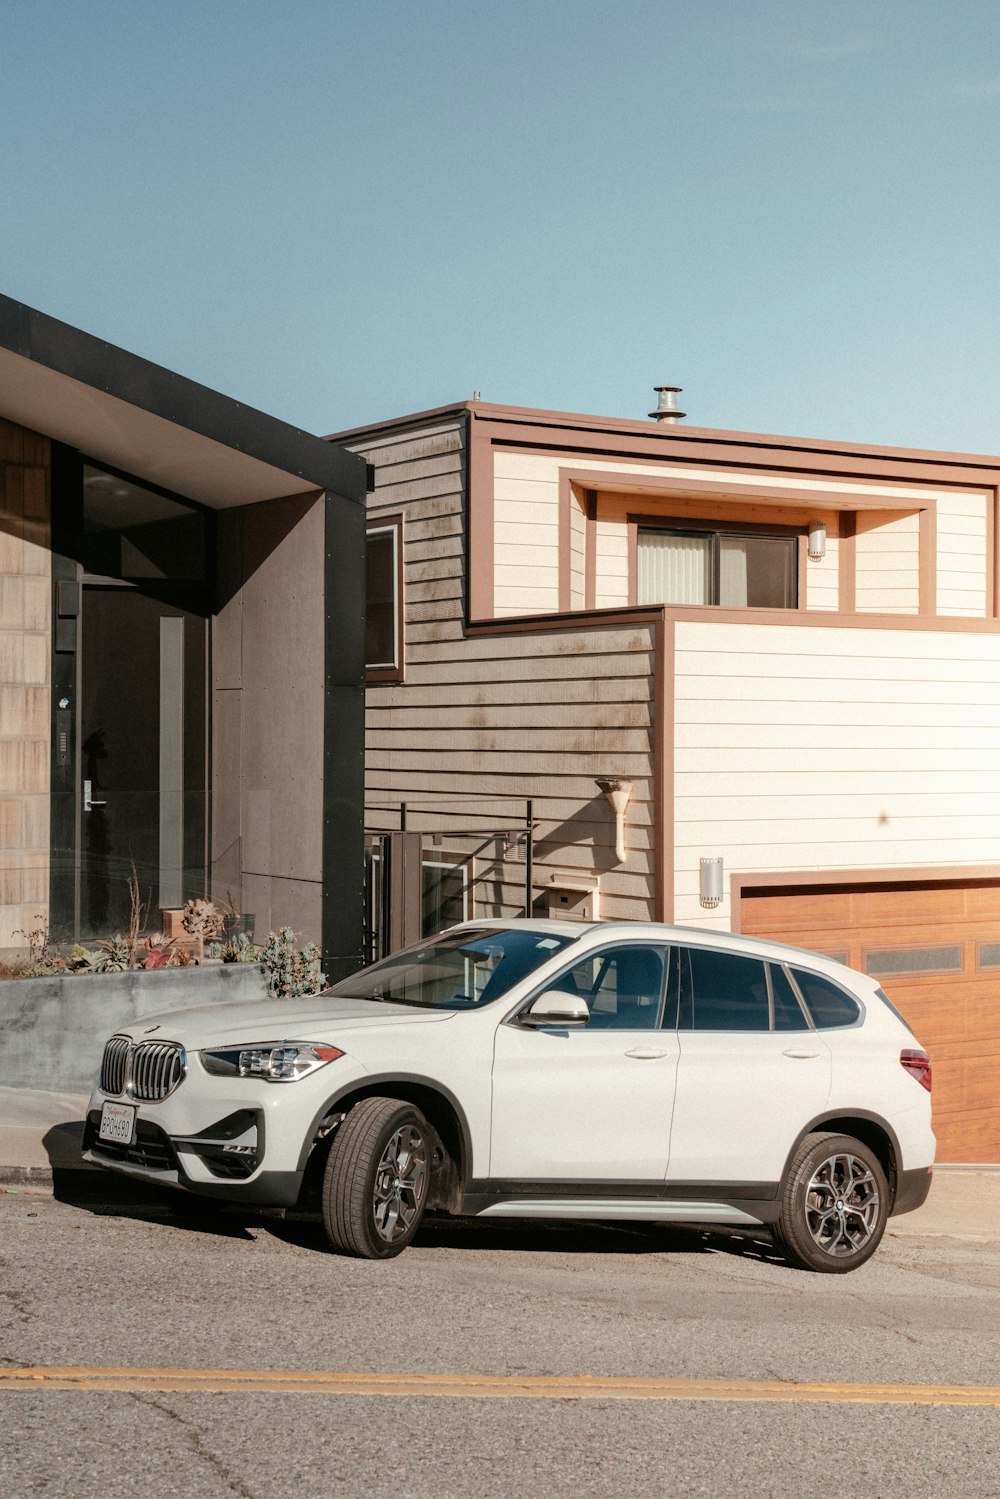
543, 1069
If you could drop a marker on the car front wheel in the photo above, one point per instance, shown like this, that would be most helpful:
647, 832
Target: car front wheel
834, 1205
375, 1184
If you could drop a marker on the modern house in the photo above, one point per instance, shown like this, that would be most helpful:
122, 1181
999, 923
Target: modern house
637, 669
181, 650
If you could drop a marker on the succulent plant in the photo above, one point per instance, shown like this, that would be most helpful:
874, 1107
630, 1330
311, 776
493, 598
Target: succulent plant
293, 971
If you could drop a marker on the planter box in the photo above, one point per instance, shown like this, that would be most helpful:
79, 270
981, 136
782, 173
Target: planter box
53, 1030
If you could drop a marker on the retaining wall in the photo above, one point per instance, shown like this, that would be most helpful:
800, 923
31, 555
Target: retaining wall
53, 1030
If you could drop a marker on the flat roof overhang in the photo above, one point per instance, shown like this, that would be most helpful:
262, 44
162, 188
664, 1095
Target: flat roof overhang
121, 410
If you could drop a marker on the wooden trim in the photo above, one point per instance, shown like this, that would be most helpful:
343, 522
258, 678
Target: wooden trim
802, 585
565, 542
663, 771
993, 556
822, 619
480, 521
927, 563
804, 879
675, 486
590, 551
847, 563
376, 675
709, 450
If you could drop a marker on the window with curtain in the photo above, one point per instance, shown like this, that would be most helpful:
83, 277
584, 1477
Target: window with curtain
717, 567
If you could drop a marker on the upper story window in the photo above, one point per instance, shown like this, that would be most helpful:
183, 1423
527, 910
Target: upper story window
384, 601
738, 570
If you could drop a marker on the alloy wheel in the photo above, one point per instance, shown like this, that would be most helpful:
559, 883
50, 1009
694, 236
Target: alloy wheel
400, 1182
842, 1205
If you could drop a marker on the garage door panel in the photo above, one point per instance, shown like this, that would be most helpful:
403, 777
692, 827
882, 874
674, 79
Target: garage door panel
953, 1006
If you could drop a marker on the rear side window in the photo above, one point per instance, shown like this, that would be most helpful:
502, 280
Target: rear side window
722, 991
788, 1013
827, 1003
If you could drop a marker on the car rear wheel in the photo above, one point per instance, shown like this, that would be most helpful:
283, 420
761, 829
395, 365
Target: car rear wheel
375, 1184
834, 1205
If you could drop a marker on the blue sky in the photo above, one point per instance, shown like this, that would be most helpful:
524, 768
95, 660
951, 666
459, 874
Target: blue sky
341, 212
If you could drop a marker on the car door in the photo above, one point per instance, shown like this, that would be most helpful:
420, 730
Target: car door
589, 1104
752, 1071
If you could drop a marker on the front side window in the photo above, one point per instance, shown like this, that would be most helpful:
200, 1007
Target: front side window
623, 987
716, 567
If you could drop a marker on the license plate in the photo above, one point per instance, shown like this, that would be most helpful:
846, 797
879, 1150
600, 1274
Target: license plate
117, 1123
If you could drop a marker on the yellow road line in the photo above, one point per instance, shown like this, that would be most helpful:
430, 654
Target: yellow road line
487, 1386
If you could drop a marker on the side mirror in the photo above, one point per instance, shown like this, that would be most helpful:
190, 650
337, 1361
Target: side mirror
556, 1007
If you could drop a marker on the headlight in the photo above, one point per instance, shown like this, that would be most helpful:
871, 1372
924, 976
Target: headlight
275, 1061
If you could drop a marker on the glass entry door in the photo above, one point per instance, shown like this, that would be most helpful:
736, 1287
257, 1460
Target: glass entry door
142, 756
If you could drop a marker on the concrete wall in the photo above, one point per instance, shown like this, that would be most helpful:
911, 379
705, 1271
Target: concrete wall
267, 689
25, 656
52, 1031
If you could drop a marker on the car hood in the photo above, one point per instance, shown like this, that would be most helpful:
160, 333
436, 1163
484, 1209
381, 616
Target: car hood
319, 1017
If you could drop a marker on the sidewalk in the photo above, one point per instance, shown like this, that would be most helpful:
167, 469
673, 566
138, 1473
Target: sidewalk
42, 1131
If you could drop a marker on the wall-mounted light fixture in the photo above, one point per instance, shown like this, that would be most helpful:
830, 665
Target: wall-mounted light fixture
617, 790
817, 540
710, 883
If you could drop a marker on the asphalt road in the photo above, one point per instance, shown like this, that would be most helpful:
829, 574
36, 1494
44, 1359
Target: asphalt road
99, 1285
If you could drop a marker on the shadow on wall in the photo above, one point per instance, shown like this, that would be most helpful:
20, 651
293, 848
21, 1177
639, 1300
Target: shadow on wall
247, 535
592, 826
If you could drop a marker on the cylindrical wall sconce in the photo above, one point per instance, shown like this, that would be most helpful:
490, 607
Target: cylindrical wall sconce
817, 540
617, 790
710, 883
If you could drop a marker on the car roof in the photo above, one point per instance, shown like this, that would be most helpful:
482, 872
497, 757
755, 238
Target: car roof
759, 947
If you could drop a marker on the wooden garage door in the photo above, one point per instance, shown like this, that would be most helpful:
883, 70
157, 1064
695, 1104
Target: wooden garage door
935, 949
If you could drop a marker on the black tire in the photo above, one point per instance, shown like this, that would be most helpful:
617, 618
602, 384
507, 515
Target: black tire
373, 1204
834, 1205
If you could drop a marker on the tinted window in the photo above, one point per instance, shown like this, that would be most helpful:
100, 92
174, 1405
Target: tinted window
381, 600
723, 992
622, 987
828, 1004
788, 1014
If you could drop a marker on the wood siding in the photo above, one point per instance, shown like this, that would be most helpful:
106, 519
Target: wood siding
25, 679
482, 724
805, 748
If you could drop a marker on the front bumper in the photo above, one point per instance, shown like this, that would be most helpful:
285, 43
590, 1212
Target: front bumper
238, 1139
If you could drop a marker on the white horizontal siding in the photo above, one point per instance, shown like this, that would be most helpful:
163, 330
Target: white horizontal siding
962, 553
805, 749
887, 552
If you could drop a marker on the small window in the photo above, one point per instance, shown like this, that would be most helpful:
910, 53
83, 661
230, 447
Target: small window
723, 991
716, 567
788, 1013
828, 1004
989, 954
445, 894
623, 987
383, 601
915, 960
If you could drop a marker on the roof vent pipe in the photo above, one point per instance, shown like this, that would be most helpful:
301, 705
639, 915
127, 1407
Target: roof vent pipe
667, 410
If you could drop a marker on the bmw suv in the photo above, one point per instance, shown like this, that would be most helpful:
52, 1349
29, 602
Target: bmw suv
542, 1069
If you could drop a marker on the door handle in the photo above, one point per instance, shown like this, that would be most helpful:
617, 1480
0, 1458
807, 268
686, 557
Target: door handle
88, 800
800, 1055
643, 1053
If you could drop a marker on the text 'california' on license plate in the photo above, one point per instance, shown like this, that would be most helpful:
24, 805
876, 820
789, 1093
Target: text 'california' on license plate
117, 1123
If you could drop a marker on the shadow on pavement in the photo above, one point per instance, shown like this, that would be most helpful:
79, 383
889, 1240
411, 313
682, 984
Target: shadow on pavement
108, 1195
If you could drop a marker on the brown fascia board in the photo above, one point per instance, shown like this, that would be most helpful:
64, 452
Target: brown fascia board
588, 427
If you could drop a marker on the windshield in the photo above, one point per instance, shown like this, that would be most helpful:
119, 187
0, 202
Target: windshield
456, 971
